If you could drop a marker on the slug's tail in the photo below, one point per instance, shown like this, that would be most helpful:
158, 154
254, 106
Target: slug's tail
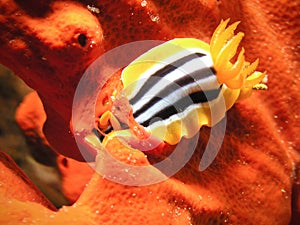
223, 47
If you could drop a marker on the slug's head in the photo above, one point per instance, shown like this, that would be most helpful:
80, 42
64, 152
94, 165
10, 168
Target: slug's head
235, 75
118, 122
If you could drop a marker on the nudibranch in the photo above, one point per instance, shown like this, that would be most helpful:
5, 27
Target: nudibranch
169, 90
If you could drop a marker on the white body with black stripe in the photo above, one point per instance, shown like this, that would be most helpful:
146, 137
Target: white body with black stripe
175, 90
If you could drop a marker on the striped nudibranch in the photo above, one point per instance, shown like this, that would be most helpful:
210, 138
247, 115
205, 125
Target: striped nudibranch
171, 88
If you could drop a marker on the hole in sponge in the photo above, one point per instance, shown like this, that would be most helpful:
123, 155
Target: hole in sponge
82, 39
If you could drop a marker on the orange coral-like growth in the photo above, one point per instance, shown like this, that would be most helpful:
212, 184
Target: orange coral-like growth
256, 174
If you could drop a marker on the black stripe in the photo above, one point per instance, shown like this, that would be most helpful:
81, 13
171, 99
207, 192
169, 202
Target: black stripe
195, 76
184, 103
169, 89
163, 72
